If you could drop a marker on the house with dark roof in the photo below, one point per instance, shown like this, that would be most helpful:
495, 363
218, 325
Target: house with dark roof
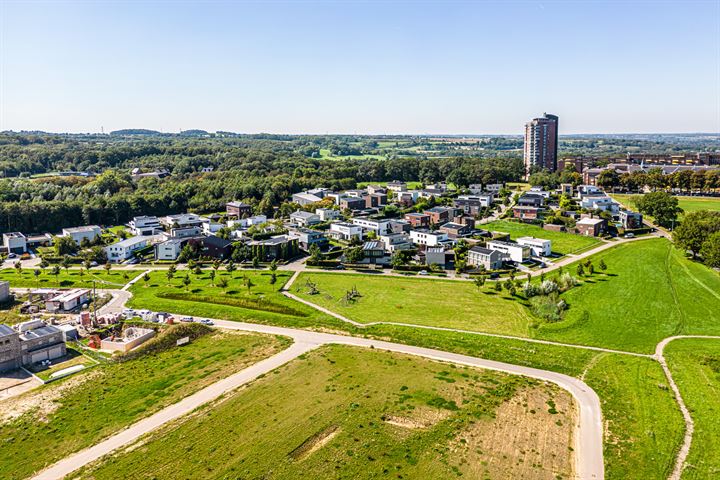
489, 259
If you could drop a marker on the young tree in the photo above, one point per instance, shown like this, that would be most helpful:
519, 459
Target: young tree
18, 267
88, 264
66, 262
315, 255
230, 268
479, 281
223, 283
591, 269
256, 262
212, 277
186, 281
126, 277
498, 286
146, 278
81, 272
55, 271
107, 267
37, 277
216, 265
170, 272
603, 265
198, 270
580, 270
43, 264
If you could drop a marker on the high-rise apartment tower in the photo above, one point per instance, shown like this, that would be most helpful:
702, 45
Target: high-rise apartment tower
541, 143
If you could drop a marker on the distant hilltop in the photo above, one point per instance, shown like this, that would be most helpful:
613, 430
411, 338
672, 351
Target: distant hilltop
144, 131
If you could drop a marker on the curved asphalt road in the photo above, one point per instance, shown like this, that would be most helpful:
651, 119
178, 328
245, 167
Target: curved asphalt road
588, 435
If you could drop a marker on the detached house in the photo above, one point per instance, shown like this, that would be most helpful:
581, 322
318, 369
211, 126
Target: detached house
481, 256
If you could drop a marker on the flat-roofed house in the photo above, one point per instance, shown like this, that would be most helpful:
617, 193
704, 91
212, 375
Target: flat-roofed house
591, 227
15, 242
89, 232
516, 252
125, 249
539, 247
238, 209
145, 225
488, 258
67, 301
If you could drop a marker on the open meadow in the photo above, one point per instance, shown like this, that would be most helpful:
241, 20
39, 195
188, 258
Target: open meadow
419, 301
76, 412
562, 243
695, 365
688, 204
342, 412
650, 291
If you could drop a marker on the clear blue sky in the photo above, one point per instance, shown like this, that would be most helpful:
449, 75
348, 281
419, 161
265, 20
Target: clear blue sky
360, 67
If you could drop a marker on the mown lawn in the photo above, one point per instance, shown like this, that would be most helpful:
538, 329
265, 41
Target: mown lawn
419, 301
643, 425
688, 204
261, 303
650, 291
562, 243
342, 412
70, 278
74, 413
695, 365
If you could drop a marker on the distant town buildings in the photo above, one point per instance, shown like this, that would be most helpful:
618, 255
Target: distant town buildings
541, 144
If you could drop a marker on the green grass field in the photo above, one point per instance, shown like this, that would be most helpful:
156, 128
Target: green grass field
262, 303
688, 204
651, 291
695, 365
341, 412
644, 427
71, 414
419, 301
562, 243
67, 279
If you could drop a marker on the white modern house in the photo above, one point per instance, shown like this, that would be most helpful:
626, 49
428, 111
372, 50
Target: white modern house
145, 225
516, 252
397, 186
211, 228
539, 247
428, 238
394, 242
327, 214
345, 231
125, 249
78, 234
15, 242
378, 226
182, 220
247, 222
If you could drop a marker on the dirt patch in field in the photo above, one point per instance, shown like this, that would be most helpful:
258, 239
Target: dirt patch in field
420, 418
43, 401
530, 437
315, 443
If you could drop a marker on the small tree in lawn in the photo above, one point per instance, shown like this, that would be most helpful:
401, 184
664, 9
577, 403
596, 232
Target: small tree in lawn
107, 267
88, 264
542, 277
512, 290
273, 270
18, 267
66, 262
146, 278
498, 286
223, 283
479, 281
256, 262
212, 277
512, 274
170, 273
186, 281
603, 265
81, 272
249, 284
37, 277
43, 264
56, 271
591, 269
216, 265
198, 270
191, 264
580, 270
230, 268
126, 277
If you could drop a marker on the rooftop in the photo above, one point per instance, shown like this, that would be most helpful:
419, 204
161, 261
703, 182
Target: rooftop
14, 235
83, 229
481, 250
589, 221
5, 330
129, 242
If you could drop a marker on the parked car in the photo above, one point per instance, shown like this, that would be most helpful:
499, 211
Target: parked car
12, 255
207, 321
422, 272
629, 235
187, 319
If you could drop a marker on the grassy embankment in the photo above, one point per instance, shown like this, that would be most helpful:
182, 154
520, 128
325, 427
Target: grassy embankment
358, 413
70, 278
695, 365
44, 425
688, 204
